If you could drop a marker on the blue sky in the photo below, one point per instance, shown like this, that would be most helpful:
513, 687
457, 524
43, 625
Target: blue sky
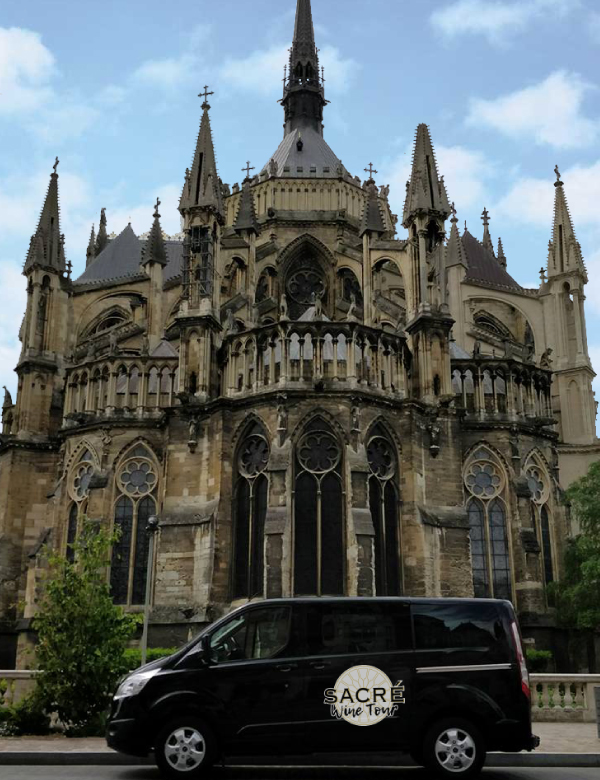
508, 88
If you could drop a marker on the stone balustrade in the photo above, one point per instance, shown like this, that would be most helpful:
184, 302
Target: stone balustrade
564, 697
302, 354
504, 389
110, 386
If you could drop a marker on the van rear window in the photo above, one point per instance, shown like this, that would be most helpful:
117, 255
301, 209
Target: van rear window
472, 627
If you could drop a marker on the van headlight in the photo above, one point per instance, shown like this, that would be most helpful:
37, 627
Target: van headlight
133, 684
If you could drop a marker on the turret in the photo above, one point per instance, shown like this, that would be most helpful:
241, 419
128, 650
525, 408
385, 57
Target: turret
45, 331
154, 259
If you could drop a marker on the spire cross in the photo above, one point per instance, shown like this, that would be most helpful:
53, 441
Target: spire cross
205, 95
55, 166
486, 218
370, 170
156, 214
247, 169
69, 268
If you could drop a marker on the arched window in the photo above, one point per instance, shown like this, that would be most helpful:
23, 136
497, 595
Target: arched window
349, 287
318, 513
383, 501
250, 511
136, 484
304, 285
78, 486
485, 482
539, 485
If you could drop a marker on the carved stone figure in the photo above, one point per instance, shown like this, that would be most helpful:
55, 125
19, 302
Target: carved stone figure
145, 349
229, 322
91, 351
546, 359
113, 344
283, 307
351, 316
477, 349
273, 167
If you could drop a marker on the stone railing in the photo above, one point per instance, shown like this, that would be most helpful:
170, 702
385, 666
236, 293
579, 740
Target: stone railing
502, 389
564, 697
303, 354
554, 697
134, 385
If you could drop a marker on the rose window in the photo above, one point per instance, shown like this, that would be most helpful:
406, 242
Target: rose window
137, 478
305, 286
537, 484
254, 457
318, 452
381, 458
483, 480
81, 480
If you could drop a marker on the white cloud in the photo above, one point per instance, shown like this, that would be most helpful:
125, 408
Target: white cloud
495, 19
140, 214
548, 113
12, 309
26, 67
262, 70
170, 72
465, 173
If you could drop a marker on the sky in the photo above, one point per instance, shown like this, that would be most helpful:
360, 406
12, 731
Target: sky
509, 89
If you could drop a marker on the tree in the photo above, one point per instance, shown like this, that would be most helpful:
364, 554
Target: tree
81, 634
577, 595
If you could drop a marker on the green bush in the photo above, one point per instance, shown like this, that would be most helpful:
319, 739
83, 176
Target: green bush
538, 660
132, 657
26, 717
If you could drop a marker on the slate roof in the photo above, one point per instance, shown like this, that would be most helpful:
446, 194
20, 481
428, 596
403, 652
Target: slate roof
316, 153
483, 266
122, 257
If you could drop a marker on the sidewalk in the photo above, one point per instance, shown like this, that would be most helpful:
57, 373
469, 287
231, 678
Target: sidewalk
562, 744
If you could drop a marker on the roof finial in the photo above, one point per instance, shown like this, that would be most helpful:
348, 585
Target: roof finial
558, 182
55, 166
205, 95
370, 170
485, 217
156, 214
247, 169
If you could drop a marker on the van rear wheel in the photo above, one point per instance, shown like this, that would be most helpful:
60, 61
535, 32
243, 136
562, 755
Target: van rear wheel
185, 748
454, 747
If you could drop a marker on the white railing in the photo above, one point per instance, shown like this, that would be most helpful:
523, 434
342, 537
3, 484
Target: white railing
554, 697
564, 697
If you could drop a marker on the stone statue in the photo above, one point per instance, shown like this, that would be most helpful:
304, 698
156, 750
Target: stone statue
477, 349
528, 353
384, 191
508, 349
546, 359
226, 190
194, 429
273, 167
7, 399
355, 417
113, 347
229, 322
91, 351
283, 307
145, 349
317, 302
351, 316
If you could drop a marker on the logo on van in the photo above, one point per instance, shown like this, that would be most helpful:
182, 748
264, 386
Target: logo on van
364, 695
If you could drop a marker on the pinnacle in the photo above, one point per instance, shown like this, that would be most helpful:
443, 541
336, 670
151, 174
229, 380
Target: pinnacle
304, 31
201, 188
47, 246
155, 250
102, 237
372, 219
426, 190
246, 216
565, 253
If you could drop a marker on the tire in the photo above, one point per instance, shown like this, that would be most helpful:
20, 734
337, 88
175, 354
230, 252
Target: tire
185, 748
454, 747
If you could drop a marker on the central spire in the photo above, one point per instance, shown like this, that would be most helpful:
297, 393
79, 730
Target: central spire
304, 92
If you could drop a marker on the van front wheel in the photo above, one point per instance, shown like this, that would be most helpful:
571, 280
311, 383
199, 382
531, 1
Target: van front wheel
454, 747
185, 747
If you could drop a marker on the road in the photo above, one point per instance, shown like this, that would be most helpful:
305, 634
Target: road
275, 773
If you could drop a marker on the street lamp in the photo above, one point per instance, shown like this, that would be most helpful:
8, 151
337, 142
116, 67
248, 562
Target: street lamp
151, 529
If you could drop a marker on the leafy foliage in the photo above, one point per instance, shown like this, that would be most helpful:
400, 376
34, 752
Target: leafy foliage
577, 595
26, 717
82, 635
132, 657
538, 660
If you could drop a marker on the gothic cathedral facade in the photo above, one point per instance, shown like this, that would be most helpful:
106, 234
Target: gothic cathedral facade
313, 399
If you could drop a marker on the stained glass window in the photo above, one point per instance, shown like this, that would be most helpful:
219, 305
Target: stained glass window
539, 486
136, 481
250, 511
383, 502
318, 514
485, 482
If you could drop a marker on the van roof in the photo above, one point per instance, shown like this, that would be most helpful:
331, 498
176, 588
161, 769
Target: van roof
376, 599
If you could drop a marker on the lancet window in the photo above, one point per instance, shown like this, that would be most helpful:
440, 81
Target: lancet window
318, 513
485, 483
250, 510
136, 484
539, 486
78, 486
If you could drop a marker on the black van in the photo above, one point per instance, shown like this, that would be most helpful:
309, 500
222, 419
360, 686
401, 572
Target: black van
442, 679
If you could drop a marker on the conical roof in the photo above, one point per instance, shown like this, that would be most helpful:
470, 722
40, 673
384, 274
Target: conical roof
455, 253
102, 237
155, 250
46, 247
426, 190
372, 219
565, 251
202, 188
246, 216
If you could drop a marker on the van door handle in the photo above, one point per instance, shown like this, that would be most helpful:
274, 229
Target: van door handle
286, 667
319, 664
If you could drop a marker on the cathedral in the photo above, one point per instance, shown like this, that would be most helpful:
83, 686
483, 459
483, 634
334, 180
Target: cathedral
314, 395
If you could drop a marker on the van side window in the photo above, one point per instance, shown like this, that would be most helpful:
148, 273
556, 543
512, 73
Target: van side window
469, 627
256, 634
348, 630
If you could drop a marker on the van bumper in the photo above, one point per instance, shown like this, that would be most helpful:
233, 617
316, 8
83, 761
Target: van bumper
512, 736
125, 736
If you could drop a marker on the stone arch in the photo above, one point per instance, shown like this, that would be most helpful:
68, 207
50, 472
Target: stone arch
484, 444
81, 447
380, 421
327, 417
139, 441
290, 253
245, 425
